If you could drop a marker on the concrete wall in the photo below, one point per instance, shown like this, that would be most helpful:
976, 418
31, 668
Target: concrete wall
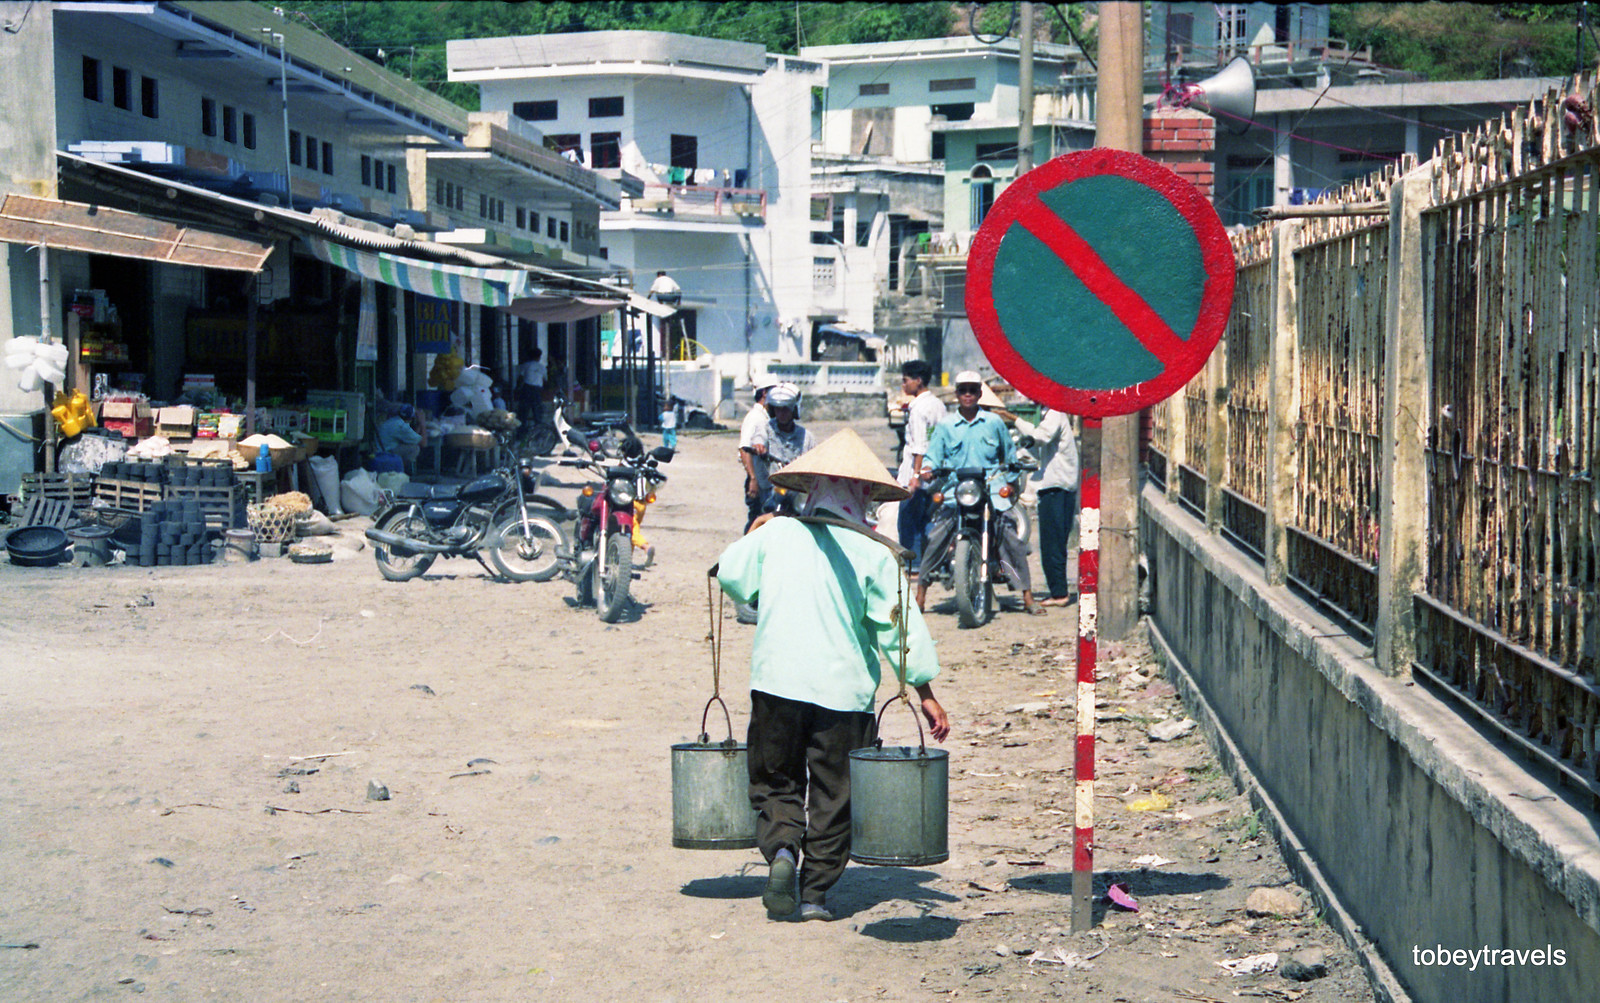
1425, 833
27, 167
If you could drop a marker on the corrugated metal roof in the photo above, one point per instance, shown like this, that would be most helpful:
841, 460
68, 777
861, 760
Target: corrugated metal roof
73, 226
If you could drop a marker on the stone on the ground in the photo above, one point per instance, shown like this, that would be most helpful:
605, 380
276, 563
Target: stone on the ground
1170, 731
1303, 966
377, 791
1273, 902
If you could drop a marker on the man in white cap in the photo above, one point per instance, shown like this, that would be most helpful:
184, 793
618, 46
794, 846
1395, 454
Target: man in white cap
973, 437
834, 602
754, 421
783, 440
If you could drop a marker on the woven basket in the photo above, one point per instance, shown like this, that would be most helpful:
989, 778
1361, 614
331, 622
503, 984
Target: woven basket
272, 523
310, 553
295, 501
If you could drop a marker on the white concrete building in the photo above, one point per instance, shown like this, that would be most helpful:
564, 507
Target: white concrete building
710, 141
879, 176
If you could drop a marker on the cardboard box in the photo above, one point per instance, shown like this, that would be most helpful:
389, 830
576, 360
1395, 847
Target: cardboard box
128, 417
175, 422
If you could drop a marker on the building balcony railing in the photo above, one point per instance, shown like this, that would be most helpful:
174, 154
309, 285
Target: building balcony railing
699, 202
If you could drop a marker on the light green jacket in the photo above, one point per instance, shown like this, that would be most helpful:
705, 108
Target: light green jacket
826, 612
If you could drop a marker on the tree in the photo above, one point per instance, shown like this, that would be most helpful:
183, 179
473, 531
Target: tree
1458, 41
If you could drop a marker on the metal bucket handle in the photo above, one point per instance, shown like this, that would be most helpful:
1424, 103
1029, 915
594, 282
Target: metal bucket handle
714, 608
705, 736
922, 741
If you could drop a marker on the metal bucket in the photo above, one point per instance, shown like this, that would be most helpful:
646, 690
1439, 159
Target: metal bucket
711, 791
91, 544
240, 546
899, 806
711, 796
900, 801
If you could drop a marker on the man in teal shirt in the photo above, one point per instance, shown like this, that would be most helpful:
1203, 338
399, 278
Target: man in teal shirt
834, 598
973, 437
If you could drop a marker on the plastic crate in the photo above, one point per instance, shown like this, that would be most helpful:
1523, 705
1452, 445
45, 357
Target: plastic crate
327, 424
284, 420
352, 402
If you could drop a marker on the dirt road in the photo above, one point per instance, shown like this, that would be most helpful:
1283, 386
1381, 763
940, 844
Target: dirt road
184, 811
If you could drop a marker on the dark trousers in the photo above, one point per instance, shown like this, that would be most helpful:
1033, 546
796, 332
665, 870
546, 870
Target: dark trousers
940, 546
753, 507
1057, 508
528, 403
912, 523
800, 784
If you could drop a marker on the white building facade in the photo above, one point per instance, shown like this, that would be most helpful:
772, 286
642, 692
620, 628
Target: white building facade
710, 141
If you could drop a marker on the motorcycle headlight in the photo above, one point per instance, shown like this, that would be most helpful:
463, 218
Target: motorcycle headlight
969, 493
621, 490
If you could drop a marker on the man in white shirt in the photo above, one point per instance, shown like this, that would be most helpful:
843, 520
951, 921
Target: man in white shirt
924, 412
754, 422
664, 290
530, 387
1055, 484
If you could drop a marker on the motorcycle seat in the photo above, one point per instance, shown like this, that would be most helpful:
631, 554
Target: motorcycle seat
414, 490
603, 418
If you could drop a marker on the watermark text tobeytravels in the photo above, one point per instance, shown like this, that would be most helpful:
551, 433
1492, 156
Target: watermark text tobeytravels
1440, 956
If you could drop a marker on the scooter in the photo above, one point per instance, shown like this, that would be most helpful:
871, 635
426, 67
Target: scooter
600, 564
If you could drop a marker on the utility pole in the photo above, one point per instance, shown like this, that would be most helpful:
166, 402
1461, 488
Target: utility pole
1025, 89
1119, 124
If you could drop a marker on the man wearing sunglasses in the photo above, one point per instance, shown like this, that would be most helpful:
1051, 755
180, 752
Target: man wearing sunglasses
972, 437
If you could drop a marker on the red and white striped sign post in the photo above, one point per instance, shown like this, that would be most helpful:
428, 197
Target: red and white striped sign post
1088, 656
1098, 285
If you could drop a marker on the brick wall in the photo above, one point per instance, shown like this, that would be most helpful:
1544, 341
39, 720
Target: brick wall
1184, 141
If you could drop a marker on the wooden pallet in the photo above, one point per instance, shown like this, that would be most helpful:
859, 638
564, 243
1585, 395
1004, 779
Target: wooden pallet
129, 496
217, 504
41, 511
75, 488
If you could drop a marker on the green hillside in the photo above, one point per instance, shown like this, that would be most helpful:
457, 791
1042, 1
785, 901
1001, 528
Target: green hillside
410, 35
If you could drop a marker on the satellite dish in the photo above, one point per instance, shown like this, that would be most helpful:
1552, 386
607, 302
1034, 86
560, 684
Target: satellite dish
1229, 94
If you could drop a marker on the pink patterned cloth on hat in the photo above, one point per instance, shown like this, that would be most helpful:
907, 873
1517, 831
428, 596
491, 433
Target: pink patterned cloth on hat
845, 497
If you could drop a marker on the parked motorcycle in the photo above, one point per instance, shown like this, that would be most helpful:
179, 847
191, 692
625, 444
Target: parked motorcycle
600, 564
501, 514
971, 562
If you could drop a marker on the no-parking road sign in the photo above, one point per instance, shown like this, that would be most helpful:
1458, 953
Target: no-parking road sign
1099, 283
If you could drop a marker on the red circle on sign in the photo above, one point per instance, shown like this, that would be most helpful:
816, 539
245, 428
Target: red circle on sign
1181, 358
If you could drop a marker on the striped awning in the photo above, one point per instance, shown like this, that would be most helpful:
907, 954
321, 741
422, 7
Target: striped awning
493, 287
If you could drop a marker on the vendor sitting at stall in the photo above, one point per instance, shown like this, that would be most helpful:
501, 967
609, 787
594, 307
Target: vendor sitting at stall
399, 436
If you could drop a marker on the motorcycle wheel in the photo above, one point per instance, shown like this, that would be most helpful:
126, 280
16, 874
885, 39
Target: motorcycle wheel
540, 441
613, 598
530, 556
1024, 519
583, 584
974, 596
398, 567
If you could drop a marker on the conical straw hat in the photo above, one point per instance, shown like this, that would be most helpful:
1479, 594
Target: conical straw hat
843, 454
988, 398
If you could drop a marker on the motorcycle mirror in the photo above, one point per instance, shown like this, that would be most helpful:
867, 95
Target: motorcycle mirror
663, 453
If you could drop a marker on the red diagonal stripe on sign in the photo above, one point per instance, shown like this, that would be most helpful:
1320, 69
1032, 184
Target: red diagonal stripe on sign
1103, 283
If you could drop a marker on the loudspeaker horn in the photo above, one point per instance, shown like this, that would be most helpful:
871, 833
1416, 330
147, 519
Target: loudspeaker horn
1229, 95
